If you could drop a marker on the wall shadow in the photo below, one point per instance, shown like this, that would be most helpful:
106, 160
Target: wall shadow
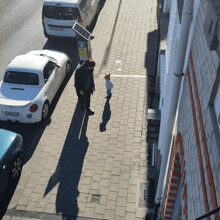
151, 58
70, 165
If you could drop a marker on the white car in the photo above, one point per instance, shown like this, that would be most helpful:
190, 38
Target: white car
59, 16
30, 83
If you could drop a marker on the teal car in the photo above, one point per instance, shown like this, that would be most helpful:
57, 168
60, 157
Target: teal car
11, 159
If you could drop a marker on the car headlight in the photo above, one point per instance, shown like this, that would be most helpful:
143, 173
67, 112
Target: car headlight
34, 108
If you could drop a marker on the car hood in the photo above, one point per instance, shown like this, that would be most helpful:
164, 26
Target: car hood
12, 94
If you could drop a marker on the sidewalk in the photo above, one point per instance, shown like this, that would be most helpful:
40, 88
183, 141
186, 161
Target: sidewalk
96, 167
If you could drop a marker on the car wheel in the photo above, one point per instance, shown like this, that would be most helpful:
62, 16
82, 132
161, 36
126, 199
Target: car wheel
69, 67
16, 168
45, 34
45, 111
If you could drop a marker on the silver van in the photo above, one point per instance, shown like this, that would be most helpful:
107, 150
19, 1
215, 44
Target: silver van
58, 16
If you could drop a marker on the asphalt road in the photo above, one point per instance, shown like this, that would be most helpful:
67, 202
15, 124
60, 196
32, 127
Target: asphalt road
21, 31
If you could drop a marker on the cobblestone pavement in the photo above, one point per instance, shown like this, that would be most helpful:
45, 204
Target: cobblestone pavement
96, 167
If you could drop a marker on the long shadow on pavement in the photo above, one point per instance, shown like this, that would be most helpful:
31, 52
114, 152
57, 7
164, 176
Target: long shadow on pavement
108, 48
70, 165
106, 115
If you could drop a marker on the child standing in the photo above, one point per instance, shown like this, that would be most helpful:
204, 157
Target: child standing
109, 85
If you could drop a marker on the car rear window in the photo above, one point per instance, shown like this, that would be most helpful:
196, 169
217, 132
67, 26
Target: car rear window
22, 78
60, 13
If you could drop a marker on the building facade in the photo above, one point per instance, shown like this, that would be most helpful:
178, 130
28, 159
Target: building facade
191, 181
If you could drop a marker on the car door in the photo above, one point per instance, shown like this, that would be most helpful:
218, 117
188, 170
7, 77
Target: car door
59, 75
49, 80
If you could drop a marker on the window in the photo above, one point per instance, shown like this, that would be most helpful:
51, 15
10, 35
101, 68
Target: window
22, 78
48, 69
61, 13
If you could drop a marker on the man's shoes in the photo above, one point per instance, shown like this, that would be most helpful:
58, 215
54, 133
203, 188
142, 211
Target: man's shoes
90, 112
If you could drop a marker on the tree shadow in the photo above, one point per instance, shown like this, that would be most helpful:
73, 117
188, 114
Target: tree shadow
70, 165
106, 115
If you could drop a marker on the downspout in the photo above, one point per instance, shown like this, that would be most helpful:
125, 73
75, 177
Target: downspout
185, 27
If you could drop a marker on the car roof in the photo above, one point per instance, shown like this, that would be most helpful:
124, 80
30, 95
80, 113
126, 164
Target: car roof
62, 2
28, 62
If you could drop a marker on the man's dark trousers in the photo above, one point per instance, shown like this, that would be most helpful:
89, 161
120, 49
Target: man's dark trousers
86, 96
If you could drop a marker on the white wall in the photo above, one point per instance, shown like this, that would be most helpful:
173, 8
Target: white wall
205, 64
171, 52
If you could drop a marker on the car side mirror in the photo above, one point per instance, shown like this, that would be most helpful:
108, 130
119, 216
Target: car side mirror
92, 37
58, 66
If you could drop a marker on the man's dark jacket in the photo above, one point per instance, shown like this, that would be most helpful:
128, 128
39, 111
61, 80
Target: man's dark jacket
81, 76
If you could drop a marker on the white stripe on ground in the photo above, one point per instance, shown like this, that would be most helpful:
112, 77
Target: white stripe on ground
126, 75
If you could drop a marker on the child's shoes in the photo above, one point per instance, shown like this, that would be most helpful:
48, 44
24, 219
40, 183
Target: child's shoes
108, 97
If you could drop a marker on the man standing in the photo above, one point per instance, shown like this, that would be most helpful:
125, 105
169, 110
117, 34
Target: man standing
84, 83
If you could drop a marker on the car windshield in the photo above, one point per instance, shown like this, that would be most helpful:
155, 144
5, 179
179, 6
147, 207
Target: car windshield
23, 78
60, 13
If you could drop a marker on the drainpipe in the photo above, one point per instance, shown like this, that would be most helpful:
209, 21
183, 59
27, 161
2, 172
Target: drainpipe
186, 21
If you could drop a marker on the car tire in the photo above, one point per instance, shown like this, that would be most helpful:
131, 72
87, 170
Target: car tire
46, 35
69, 67
45, 111
16, 168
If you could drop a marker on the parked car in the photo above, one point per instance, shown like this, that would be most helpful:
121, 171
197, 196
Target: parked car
11, 160
30, 83
59, 16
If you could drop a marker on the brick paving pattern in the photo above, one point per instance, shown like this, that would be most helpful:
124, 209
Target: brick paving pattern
95, 170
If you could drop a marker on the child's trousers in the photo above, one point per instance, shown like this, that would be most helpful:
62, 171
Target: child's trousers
109, 92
